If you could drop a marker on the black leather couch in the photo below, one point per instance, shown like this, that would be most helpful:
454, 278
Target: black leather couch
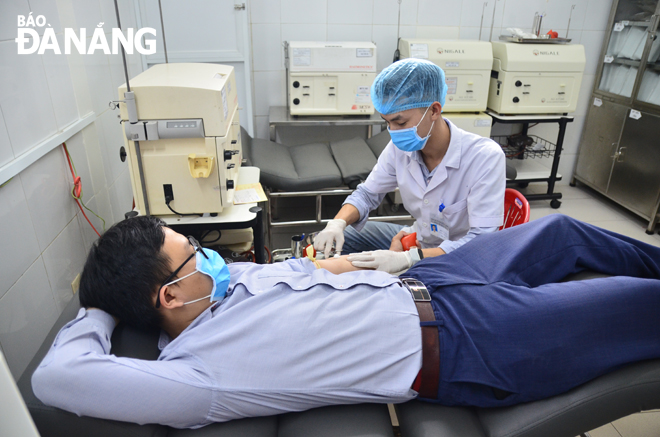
626, 391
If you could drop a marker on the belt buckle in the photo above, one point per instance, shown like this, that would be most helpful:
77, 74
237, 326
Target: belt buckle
418, 291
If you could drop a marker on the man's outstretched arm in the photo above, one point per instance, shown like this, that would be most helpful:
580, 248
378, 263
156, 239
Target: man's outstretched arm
338, 265
79, 375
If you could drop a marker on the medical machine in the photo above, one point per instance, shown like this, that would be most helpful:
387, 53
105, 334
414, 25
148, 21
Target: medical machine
466, 64
330, 78
183, 138
479, 123
535, 78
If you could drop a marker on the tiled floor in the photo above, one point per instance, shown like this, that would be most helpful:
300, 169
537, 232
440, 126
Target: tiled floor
646, 424
586, 205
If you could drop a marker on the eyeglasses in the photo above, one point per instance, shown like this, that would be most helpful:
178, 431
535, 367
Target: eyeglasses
198, 248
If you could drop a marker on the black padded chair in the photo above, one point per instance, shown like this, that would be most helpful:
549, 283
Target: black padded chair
628, 390
317, 166
309, 167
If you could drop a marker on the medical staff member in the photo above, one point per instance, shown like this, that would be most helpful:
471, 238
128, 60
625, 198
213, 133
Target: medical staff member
451, 181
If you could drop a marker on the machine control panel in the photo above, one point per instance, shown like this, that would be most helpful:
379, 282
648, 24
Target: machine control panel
330, 78
330, 93
527, 93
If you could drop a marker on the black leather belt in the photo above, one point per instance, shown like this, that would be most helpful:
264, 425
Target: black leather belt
430, 373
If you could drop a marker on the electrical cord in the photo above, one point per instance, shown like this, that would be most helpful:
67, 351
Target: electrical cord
76, 191
524, 147
178, 213
206, 233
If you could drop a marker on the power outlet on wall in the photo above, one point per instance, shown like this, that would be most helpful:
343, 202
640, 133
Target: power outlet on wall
76, 284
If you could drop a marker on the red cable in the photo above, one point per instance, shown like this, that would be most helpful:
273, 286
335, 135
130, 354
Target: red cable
77, 188
249, 254
85, 215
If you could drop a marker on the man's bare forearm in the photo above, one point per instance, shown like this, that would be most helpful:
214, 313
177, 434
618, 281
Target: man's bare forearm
348, 213
338, 265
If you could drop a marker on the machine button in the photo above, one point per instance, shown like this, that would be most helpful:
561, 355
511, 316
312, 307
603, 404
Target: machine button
516, 100
518, 83
229, 153
296, 101
130, 214
296, 84
230, 184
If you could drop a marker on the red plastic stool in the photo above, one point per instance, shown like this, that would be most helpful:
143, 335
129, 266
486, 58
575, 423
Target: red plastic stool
516, 209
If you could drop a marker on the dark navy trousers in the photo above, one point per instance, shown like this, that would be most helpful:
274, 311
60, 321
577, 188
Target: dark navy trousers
511, 333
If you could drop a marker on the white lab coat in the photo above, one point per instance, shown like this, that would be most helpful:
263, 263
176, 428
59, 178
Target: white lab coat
470, 182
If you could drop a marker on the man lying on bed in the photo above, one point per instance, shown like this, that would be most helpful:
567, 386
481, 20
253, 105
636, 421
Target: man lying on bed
252, 340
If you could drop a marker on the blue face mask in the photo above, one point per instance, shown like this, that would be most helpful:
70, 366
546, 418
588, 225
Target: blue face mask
216, 269
407, 139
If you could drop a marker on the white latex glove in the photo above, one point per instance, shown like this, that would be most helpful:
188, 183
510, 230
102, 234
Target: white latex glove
383, 260
333, 233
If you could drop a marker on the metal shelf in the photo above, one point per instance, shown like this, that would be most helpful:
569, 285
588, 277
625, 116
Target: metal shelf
540, 148
546, 148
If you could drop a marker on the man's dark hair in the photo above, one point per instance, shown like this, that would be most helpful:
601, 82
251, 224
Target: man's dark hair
124, 269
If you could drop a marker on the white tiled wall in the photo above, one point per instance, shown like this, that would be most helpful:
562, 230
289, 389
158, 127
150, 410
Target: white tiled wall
276, 21
21, 87
45, 238
27, 312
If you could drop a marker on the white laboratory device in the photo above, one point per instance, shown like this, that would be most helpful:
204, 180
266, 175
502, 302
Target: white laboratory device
535, 78
466, 64
184, 118
478, 123
330, 78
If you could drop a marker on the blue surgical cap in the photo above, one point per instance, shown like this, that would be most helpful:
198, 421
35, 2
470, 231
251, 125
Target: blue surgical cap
407, 84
